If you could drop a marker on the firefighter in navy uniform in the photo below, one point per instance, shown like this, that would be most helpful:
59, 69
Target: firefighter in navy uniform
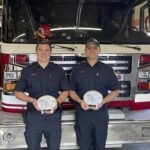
92, 124
38, 79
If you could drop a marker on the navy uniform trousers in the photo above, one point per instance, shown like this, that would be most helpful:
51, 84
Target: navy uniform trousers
91, 128
47, 124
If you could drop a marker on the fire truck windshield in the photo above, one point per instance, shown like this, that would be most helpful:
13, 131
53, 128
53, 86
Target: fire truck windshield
75, 21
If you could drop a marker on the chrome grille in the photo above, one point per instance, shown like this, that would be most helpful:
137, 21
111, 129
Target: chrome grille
120, 64
125, 90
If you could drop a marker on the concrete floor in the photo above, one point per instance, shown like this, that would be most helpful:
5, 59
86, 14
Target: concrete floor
136, 147
124, 147
133, 147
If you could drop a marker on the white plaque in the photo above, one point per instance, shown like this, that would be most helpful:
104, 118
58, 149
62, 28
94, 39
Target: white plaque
47, 103
93, 98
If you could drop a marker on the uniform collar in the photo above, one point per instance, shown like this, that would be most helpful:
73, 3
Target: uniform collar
97, 63
36, 64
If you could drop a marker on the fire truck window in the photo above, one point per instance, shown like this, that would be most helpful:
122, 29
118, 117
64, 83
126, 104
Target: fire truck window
73, 21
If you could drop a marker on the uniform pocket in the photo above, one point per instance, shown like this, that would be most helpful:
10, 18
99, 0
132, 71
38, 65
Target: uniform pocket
53, 84
82, 82
101, 82
33, 83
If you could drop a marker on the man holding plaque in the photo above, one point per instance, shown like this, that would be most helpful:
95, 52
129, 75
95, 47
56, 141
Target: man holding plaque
90, 82
47, 86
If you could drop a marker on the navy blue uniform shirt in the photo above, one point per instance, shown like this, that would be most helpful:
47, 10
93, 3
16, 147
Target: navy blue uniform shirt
38, 81
99, 77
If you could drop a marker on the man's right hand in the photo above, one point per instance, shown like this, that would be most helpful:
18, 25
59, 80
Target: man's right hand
84, 105
35, 104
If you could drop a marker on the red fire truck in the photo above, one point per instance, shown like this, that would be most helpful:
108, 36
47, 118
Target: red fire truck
123, 29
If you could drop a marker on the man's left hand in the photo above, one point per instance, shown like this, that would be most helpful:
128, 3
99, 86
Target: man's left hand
51, 111
99, 106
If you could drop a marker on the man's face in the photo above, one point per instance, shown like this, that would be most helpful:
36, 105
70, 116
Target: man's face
43, 52
92, 51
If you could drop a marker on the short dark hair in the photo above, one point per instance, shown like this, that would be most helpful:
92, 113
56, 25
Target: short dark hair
44, 42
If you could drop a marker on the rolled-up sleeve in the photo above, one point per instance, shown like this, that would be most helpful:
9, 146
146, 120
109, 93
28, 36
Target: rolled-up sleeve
21, 84
64, 86
113, 81
72, 80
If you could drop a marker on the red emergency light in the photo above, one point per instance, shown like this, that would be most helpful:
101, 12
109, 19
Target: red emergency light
142, 86
22, 59
145, 58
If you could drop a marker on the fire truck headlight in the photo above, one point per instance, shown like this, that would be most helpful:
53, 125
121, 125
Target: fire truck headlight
9, 86
143, 74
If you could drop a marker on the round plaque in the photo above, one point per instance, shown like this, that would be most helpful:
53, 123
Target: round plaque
47, 102
93, 98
